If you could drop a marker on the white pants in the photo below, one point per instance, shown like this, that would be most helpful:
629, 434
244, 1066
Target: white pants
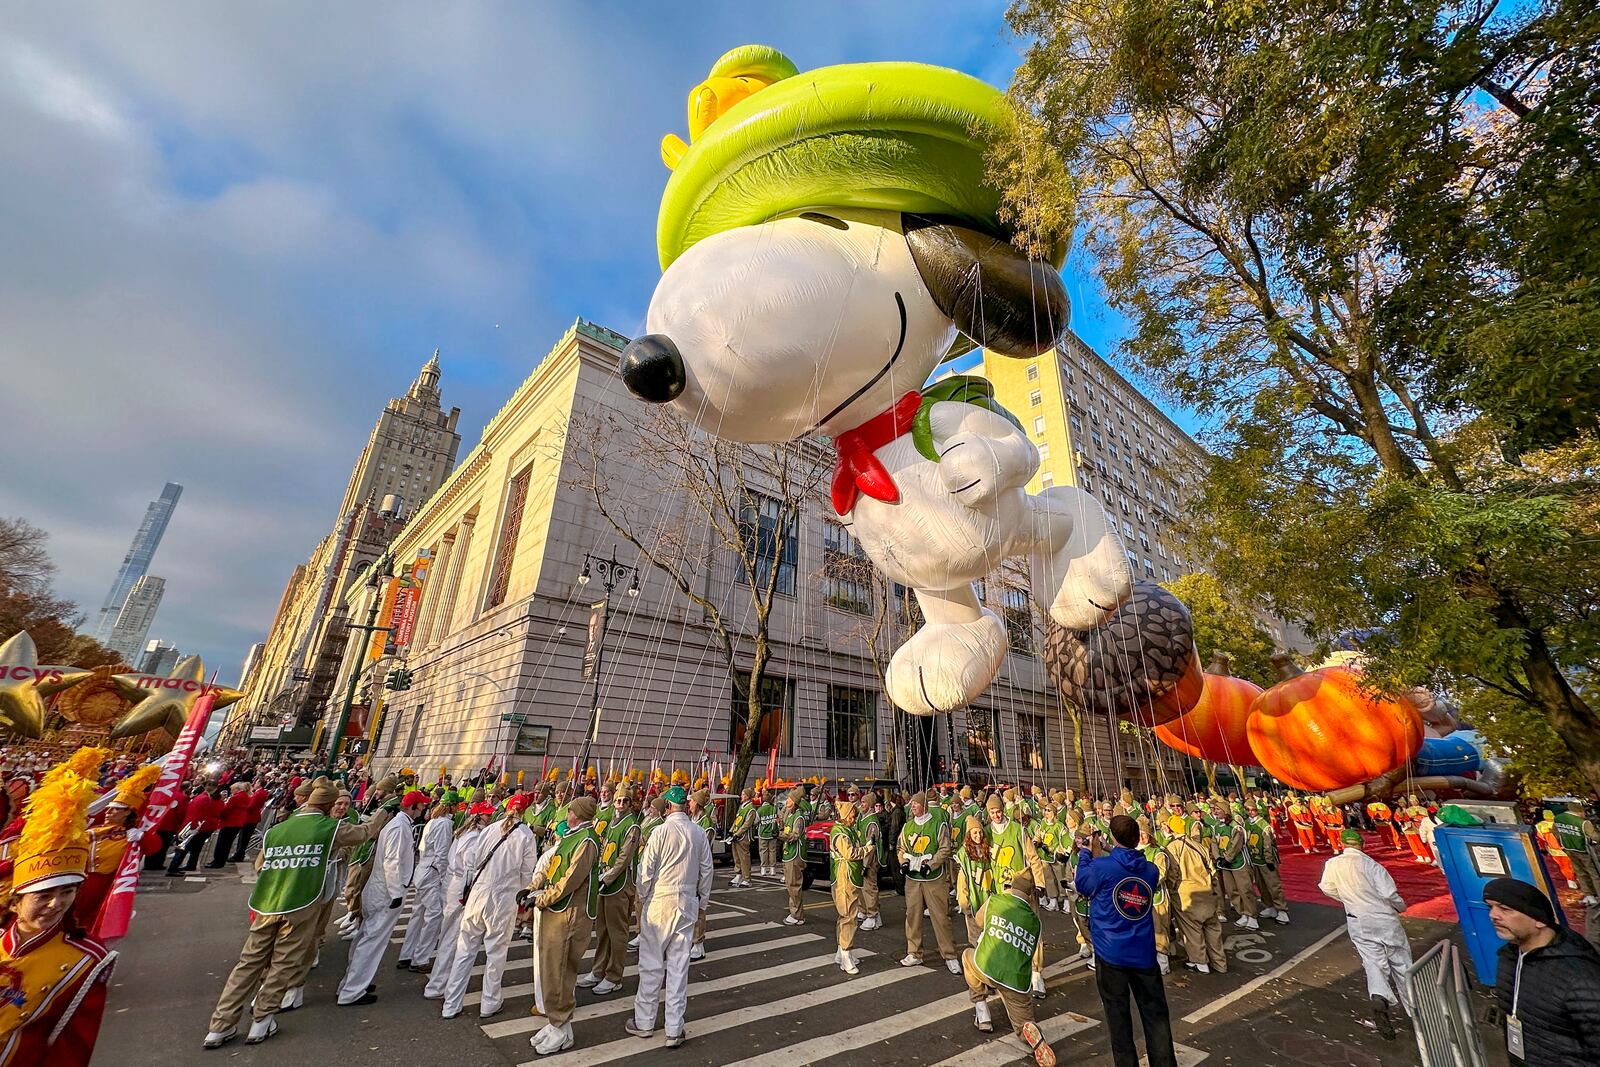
666, 933
1385, 953
444, 960
422, 935
486, 930
366, 951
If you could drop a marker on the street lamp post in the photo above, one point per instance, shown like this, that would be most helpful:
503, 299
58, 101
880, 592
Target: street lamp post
382, 571
610, 572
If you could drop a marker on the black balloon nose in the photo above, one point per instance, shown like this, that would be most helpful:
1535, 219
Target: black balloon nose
652, 369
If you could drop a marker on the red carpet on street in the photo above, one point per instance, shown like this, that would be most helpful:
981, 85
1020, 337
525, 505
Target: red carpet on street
1422, 886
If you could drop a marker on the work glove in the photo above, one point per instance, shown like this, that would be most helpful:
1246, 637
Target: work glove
525, 899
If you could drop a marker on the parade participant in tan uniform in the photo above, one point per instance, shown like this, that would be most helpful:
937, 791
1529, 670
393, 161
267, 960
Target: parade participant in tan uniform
974, 875
847, 869
767, 833
619, 850
1010, 852
925, 855
1263, 845
1161, 907
1010, 934
1198, 920
701, 815
569, 896
795, 825
288, 908
739, 835
874, 849
1233, 864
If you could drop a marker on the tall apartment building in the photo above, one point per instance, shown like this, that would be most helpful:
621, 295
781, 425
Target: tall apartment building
137, 561
497, 649
410, 451
1096, 431
128, 633
158, 660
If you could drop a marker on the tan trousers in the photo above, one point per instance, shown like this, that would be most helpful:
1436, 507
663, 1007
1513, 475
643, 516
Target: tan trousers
323, 916
869, 889
846, 900
700, 928
934, 895
1163, 924
270, 959
794, 873
769, 852
611, 953
1269, 885
741, 858
1202, 931
1236, 887
1054, 875
1019, 1006
563, 939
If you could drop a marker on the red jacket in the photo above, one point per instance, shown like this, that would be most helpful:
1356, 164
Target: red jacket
236, 809
172, 820
205, 812
258, 805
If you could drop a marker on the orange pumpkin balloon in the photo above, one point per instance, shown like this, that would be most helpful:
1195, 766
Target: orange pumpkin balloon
1215, 728
1322, 731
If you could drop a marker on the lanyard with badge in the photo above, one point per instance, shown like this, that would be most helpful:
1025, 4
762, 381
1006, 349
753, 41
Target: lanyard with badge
1514, 1024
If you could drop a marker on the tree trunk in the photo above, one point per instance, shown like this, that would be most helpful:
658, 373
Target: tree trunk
1574, 721
753, 716
1072, 712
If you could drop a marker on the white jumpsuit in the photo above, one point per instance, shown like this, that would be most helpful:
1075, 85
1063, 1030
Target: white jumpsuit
463, 851
422, 935
674, 883
505, 859
1372, 907
392, 864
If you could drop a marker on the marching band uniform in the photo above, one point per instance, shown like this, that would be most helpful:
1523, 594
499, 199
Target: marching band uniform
925, 852
974, 875
109, 841
1304, 825
53, 979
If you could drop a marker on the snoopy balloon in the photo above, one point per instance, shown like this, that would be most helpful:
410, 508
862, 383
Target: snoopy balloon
827, 239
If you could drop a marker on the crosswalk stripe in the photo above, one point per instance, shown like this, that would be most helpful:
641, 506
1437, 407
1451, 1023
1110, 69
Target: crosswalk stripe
619, 1005
716, 916
860, 1037
526, 963
714, 935
759, 1013
1010, 1048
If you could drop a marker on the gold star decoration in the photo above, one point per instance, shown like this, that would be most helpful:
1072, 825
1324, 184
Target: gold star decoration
24, 683
167, 702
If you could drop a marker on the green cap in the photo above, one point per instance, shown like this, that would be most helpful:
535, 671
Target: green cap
1351, 837
677, 795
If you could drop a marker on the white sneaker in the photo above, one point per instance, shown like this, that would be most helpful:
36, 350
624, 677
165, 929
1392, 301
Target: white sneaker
1085, 951
1283, 918
1267, 913
634, 943
1037, 986
589, 981
553, 1039
860, 915
954, 967
218, 1038
1251, 924
606, 986
698, 951
911, 961
1163, 963
1202, 968
981, 1017
261, 1029
790, 920
293, 998
848, 963
350, 935
1049, 903
1243, 922
1589, 902
316, 961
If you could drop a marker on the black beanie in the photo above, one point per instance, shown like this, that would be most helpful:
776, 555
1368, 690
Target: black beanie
1520, 896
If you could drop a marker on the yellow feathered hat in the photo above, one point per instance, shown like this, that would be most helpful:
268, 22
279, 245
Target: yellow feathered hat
134, 790
54, 847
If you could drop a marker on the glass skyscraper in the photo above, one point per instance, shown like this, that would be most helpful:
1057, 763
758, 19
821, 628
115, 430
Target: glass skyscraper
137, 561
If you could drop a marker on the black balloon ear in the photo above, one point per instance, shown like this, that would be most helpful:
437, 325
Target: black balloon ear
997, 296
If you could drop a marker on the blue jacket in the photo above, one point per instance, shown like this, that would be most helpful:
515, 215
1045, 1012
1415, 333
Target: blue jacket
1121, 891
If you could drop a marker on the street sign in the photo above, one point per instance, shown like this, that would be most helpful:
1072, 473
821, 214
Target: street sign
515, 717
265, 733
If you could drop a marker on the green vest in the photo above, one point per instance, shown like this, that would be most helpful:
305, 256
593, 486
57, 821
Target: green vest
705, 823
798, 823
1005, 854
558, 816
1263, 846
566, 848
979, 877
1569, 831
766, 822
539, 816
294, 865
923, 840
1231, 852
1160, 897
880, 845
1005, 947
602, 820
611, 845
648, 827
855, 868
741, 819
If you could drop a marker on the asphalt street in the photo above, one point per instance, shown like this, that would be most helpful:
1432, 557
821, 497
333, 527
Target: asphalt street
766, 995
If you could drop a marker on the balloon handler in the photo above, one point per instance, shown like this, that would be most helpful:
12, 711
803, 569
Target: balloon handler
1000, 963
828, 238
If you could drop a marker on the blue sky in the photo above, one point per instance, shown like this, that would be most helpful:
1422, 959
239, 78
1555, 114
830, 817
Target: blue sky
233, 231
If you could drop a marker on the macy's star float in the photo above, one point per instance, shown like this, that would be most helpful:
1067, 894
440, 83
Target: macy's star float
24, 683
166, 702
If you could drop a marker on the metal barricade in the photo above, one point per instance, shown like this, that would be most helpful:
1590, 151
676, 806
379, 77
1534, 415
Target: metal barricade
1441, 1010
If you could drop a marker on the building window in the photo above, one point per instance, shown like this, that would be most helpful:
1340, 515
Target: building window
845, 571
1019, 619
1077, 425
1083, 480
1044, 453
1031, 745
764, 544
1033, 372
411, 738
777, 714
1038, 425
983, 737
510, 527
906, 608
852, 723
1149, 568
1046, 480
1035, 398
1094, 435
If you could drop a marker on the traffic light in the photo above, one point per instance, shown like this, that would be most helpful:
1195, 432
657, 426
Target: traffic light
397, 680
